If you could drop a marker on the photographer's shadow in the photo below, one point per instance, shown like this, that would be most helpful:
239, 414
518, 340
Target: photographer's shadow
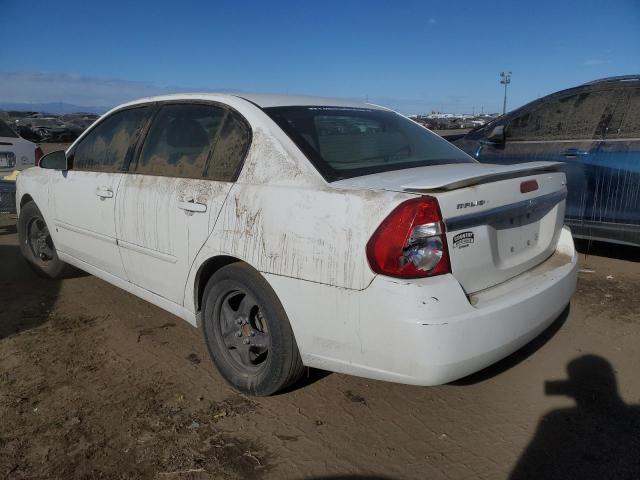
598, 438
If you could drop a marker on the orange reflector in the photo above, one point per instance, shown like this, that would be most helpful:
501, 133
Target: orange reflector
528, 186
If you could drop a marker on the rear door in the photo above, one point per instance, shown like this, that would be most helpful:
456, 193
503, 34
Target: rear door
169, 202
616, 175
85, 196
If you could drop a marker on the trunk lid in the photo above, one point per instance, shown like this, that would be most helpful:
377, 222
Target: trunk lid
494, 230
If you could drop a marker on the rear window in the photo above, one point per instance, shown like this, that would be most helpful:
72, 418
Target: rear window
572, 117
5, 131
349, 142
180, 139
625, 118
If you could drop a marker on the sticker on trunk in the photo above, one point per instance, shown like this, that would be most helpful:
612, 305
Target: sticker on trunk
463, 240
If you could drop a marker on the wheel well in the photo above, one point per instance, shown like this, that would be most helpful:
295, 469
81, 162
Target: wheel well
26, 198
206, 270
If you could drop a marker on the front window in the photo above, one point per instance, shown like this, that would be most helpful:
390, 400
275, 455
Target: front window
349, 142
106, 146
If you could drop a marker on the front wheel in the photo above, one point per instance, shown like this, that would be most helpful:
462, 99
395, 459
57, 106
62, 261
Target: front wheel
36, 244
248, 333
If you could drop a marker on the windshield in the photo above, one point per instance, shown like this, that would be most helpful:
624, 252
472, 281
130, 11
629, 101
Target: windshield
5, 130
349, 142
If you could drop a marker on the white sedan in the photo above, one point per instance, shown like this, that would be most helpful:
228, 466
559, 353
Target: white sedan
16, 153
303, 231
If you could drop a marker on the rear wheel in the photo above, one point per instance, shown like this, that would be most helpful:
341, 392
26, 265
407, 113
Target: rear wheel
36, 244
248, 333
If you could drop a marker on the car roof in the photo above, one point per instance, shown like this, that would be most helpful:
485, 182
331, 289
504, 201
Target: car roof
262, 100
619, 78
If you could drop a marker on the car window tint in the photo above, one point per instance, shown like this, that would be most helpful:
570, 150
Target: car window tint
105, 147
341, 139
345, 142
585, 114
543, 122
229, 151
180, 140
625, 121
572, 117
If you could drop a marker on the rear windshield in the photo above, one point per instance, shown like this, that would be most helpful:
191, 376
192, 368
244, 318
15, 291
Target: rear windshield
350, 142
5, 130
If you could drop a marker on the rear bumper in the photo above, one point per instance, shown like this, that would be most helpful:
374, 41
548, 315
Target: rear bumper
429, 332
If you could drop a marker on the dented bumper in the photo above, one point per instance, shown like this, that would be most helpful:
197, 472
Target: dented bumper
428, 331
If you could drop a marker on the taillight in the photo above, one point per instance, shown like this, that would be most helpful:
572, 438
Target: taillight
38, 156
411, 241
528, 186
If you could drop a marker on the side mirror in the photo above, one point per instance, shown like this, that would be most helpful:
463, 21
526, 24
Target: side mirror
496, 137
55, 161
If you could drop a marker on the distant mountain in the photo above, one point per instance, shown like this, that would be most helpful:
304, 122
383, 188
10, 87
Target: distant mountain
54, 107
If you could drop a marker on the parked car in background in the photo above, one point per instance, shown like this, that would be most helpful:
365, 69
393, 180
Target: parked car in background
595, 130
307, 231
48, 129
16, 154
79, 121
461, 123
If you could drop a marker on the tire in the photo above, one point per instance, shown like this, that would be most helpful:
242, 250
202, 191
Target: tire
36, 244
247, 332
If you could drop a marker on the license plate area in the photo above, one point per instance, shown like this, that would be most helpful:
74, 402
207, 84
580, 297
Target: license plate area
518, 234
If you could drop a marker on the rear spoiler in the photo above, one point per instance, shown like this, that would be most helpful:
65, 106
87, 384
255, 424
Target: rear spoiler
493, 173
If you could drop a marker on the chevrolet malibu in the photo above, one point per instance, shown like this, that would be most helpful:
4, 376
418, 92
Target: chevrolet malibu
302, 231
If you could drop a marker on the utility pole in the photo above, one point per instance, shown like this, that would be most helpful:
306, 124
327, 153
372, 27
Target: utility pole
505, 79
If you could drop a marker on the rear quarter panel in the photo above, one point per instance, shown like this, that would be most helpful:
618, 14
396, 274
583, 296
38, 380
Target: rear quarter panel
318, 235
283, 218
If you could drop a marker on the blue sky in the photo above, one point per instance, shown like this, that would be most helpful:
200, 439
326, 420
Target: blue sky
410, 55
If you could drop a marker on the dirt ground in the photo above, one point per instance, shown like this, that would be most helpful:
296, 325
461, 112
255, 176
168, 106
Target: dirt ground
96, 383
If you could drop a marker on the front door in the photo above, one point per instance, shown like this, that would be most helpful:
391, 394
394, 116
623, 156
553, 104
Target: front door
85, 195
169, 202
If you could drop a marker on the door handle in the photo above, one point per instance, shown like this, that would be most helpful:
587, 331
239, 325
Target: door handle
574, 152
104, 192
190, 205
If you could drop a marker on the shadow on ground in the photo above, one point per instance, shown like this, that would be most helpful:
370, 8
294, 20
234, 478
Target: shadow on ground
8, 229
611, 250
26, 298
310, 376
598, 438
